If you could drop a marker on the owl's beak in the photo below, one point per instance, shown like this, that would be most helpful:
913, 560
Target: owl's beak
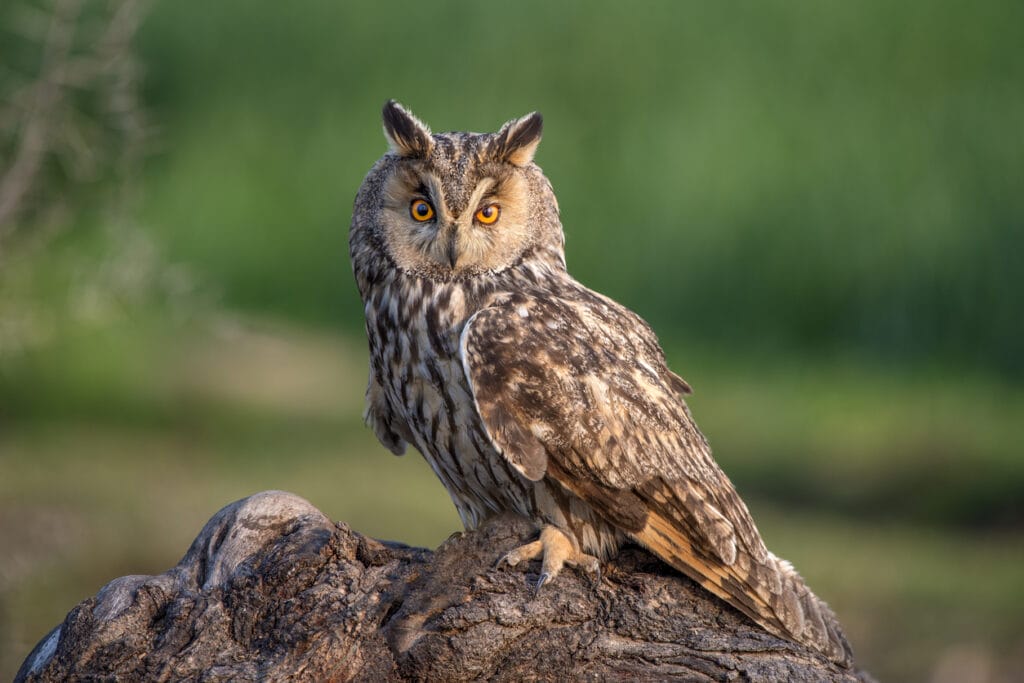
453, 249
447, 245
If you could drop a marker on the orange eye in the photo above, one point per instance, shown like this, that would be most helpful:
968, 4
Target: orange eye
489, 214
421, 210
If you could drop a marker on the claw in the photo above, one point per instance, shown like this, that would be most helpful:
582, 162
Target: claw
556, 550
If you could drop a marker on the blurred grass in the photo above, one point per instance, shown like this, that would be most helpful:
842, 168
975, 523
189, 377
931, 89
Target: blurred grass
856, 437
816, 204
823, 434
799, 175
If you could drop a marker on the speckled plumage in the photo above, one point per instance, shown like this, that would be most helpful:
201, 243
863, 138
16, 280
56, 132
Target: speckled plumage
526, 391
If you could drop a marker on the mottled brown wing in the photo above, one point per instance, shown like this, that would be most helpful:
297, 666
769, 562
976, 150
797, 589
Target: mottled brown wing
576, 389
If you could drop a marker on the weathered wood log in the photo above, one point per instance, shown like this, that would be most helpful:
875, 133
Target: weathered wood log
272, 589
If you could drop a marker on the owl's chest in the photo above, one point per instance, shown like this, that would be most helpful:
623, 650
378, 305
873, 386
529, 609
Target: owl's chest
414, 347
414, 327
417, 364
429, 389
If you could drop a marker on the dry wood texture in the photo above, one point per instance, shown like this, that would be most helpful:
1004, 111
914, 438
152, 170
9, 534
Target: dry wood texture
272, 589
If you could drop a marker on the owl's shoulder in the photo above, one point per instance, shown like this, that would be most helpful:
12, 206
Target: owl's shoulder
568, 322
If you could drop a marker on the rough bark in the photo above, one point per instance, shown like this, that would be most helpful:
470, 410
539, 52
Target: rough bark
272, 589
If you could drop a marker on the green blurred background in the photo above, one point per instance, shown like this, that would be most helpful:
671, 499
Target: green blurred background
819, 206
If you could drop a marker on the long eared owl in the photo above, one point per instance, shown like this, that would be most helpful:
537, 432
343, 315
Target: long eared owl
527, 392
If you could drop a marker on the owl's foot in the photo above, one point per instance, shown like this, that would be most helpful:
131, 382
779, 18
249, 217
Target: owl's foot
557, 550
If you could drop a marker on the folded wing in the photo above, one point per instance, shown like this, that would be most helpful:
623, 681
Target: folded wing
576, 389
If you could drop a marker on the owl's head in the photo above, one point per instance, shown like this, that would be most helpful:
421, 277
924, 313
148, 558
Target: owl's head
456, 205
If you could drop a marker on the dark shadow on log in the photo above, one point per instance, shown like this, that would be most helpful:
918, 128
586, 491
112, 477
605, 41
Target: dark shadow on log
272, 589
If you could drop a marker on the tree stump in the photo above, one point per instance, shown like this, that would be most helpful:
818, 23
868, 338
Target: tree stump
272, 589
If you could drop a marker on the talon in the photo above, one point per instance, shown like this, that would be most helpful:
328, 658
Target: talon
556, 549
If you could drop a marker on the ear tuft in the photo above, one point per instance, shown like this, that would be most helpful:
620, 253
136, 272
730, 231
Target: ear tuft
407, 135
517, 140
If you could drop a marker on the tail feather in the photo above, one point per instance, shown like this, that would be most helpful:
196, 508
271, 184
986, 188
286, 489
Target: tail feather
770, 592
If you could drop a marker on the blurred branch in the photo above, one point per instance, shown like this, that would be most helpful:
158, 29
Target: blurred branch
44, 98
71, 120
46, 122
